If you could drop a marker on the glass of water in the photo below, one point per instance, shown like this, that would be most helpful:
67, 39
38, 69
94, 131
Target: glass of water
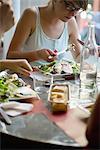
42, 82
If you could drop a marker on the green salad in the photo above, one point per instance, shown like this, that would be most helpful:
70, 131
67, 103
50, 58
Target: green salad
8, 84
47, 68
75, 67
62, 67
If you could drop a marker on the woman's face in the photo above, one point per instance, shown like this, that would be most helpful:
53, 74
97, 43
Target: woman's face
65, 10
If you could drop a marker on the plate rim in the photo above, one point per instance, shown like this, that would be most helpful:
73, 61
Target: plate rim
22, 98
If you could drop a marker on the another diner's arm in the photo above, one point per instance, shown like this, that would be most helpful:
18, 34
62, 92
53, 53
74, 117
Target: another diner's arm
99, 50
6, 16
73, 36
25, 28
93, 128
20, 66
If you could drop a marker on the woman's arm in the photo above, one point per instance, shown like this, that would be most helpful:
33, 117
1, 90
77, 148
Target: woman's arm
73, 36
25, 28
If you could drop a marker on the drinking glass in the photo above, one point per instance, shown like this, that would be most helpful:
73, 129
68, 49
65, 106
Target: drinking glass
42, 84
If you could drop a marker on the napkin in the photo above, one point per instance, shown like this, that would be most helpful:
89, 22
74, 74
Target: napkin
16, 108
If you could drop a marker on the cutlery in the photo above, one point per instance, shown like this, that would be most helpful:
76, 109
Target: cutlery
59, 53
5, 116
82, 43
70, 47
84, 109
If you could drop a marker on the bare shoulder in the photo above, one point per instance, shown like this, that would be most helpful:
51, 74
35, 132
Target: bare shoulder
29, 13
28, 18
72, 25
72, 20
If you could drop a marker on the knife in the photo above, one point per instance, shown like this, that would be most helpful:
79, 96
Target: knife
82, 43
5, 116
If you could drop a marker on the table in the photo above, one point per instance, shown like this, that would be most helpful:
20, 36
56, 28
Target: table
41, 126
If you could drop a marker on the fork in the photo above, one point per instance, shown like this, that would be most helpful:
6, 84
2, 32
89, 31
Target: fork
70, 47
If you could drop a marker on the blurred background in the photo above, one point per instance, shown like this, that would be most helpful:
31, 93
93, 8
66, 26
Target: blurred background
92, 13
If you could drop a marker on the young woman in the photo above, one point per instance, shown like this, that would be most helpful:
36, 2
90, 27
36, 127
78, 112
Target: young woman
6, 22
42, 30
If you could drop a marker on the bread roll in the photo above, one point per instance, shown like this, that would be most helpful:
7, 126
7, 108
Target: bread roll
58, 98
56, 95
59, 107
59, 88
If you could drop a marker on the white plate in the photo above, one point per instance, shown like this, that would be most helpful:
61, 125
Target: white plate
40, 76
20, 98
26, 93
62, 65
44, 77
13, 108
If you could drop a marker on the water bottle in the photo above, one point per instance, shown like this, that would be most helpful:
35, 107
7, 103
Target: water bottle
88, 66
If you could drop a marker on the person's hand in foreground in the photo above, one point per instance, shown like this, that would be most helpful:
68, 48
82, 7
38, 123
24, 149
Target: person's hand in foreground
19, 66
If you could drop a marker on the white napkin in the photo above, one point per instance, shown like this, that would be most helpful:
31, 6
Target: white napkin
16, 108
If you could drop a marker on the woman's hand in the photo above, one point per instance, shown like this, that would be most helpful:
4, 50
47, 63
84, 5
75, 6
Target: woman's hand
19, 66
47, 55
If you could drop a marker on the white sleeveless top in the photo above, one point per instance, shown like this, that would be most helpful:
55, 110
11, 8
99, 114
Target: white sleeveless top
39, 40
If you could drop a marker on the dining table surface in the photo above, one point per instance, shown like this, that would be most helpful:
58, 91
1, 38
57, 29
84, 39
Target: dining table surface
40, 125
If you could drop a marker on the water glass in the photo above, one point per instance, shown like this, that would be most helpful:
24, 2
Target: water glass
42, 86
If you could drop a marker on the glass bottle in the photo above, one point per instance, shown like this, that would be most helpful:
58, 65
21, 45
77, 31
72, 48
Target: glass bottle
88, 66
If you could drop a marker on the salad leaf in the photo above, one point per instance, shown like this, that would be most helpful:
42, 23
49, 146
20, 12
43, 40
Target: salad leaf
56, 67
8, 84
47, 68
